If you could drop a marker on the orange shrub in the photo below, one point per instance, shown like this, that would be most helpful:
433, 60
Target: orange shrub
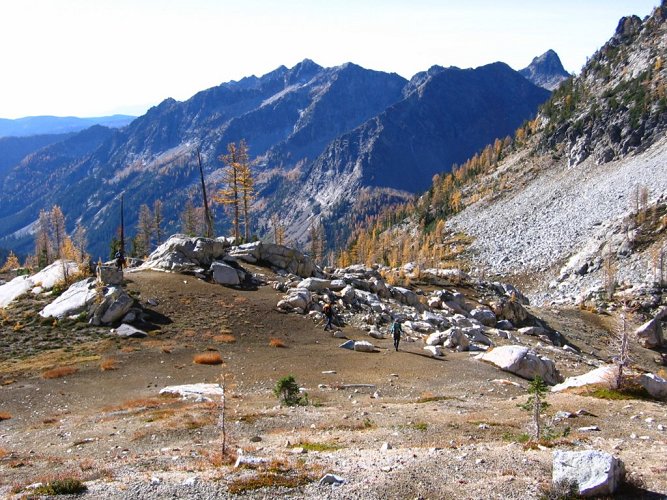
108, 364
274, 342
4, 416
59, 372
225, 338
208, 358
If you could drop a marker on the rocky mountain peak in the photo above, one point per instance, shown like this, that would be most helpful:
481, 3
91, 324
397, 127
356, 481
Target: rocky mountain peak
546, 71
627, 27
302, 72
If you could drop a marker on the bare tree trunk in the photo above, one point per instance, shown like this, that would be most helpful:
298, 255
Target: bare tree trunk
207, 213
221, 418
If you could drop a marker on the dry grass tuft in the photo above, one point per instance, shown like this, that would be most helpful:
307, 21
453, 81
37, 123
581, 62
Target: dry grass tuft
208, 358
217, 459
4, 416
274, 342
59, 372
108, 364
268, 480
4, 453
225, 338
128, 349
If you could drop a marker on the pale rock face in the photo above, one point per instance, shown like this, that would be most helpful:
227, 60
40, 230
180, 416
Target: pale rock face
522, 362
128, 331
109, 275
656, 386
196, 392
456, 339
182, 252
434, 350
224, 274
436, 338
650, 334
54, 273
14, 289
596, 473
43, 280
363, 346
604, 376
75, 300
298, 298
314, 284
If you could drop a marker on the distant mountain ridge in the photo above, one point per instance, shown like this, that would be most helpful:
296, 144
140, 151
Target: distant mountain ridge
42, 125
546, 71
328, 144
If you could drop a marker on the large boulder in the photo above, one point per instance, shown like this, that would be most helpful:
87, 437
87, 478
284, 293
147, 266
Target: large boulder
43, 280
113, 307
456, 339
511, 310
605, 376
109, 275
128, 331
522, 362
74, 301
54, 273
404, 296
278, 256
314, 284
297, 298
224, 274
14, 289
184, 253
196, 392
363, 346
656, 386
595, 473
484, 316
650, 334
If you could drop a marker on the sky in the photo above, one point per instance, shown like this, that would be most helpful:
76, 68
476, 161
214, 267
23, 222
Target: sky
101, 57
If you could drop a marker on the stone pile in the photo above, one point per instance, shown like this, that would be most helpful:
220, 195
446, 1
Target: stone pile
217, 259
442, 318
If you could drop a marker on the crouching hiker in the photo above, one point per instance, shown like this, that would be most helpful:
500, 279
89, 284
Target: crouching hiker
396, 331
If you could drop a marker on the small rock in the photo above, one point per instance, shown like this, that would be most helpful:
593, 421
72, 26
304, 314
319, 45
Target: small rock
385, 446
255, 439
331, 479
589, 428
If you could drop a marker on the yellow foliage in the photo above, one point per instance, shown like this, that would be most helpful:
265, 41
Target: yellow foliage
11, 264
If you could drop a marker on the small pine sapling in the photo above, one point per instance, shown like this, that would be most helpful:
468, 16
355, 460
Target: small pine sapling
536, 404
287, 391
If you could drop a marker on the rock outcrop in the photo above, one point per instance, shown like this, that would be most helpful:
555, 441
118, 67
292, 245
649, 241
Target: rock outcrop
522, 362
595, 473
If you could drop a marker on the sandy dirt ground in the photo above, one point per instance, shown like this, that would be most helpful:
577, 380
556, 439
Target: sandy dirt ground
392, 424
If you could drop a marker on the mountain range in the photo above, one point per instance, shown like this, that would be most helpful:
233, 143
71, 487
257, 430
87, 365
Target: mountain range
48, 125
574, 206
329, 145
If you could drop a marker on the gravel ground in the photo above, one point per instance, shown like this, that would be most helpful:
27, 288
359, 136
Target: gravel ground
539, 226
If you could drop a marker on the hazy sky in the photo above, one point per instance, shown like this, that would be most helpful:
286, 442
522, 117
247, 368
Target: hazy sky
98, 57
